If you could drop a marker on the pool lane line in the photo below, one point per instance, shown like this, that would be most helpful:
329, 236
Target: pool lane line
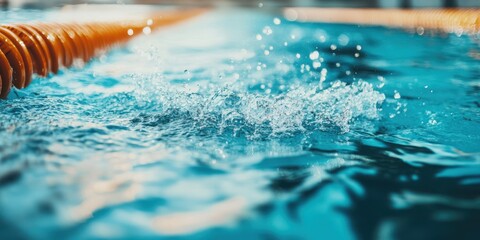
43, 48
463, 21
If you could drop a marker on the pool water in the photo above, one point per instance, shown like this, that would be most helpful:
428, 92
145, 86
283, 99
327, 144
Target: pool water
240, 124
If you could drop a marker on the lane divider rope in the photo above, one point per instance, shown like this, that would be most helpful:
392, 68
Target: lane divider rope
40, 49
463, 21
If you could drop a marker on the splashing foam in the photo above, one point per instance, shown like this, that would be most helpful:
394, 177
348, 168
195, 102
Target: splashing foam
230, 110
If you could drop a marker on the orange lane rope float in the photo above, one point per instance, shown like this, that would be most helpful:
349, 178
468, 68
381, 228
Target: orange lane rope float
463, 21
43, 48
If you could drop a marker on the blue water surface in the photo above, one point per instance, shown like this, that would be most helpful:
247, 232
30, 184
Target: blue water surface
240, 124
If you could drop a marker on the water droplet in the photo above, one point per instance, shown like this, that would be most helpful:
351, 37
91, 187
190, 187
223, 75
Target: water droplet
359, 47
357, 55
420, 30
333, 47
316, 64
291, 15
267, 30
324, 71
266, 52
343, 39
298, 55
277, 21
260, 5
322, 38
147, 30
259, 37
149, 22
314, 55
397, 95
130, 32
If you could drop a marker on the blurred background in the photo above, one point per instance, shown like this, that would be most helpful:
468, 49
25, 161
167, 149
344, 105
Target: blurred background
255, 3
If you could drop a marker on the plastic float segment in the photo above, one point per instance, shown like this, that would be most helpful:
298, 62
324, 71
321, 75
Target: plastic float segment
5, 76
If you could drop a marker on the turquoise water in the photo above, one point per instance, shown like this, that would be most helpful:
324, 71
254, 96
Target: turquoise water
238, 125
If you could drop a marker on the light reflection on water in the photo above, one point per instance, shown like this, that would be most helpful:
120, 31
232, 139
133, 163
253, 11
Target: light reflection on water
339, 131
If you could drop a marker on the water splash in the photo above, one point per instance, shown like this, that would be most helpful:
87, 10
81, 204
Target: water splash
254, 115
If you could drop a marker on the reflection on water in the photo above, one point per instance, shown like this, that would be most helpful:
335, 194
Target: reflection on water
244, 125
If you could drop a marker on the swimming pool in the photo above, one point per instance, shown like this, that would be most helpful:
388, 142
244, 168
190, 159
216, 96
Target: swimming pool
240, 124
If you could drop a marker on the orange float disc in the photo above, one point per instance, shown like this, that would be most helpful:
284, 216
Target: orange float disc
5, 75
